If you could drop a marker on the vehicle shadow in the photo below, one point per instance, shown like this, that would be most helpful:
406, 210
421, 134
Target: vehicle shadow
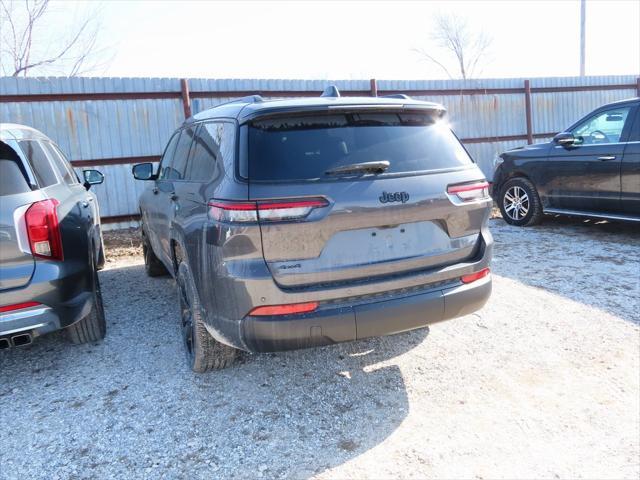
596, 263
290, 414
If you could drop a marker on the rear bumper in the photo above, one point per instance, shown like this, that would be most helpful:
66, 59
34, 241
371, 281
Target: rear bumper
347, 323
64, 292
43, 319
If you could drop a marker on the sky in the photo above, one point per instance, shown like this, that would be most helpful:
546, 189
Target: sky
355, 40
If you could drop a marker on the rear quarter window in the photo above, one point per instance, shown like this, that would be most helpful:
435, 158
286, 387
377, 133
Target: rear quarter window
204, 153
306, 147
40, 163
13, 175
214, 143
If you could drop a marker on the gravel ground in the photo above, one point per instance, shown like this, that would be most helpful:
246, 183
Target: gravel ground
544, 382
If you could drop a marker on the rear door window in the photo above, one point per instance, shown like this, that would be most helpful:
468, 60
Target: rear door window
40, 163
306, 147
634, 134
167, 157
180, 156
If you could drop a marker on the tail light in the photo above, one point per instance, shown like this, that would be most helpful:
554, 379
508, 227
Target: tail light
288, 309
264, 210
472, 277
470, 192
43, 230
17, 306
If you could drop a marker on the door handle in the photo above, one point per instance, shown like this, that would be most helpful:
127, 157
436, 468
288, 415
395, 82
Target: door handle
173, 196
155, 190
605, 158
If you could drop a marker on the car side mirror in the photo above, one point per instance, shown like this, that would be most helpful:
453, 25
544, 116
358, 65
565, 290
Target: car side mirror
143, 171
564, 139
92, 177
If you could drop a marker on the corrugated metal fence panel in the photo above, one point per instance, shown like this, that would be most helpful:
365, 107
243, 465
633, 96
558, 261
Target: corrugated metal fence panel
63, 85
555, 111
119, 193
94, 129
88, 130
248, 85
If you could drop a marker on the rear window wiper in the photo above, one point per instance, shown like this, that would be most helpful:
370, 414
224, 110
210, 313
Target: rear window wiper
364, 167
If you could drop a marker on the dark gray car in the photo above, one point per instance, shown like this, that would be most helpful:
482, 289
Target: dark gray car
50, 242
305, 222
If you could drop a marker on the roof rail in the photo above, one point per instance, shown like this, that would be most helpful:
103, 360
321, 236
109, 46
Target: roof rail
331, 91
397, 95
247, 99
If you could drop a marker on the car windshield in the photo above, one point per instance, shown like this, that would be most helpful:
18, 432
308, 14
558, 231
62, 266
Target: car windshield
308, 147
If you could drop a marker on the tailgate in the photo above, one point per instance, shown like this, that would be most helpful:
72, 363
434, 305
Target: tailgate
373, 225
357, 237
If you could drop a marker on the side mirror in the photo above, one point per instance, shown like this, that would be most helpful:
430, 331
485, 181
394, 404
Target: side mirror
92, 177
143, 171
564, 138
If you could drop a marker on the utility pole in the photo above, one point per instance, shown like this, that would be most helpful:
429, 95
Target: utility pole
583, 13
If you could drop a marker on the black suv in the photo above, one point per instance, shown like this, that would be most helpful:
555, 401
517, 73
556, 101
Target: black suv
592, 169
304, 222
50, 242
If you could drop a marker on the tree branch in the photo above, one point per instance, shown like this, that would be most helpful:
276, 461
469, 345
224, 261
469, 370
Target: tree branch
454, 36
25, 34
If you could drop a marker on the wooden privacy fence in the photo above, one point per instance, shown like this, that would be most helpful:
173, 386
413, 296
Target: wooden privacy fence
113, 123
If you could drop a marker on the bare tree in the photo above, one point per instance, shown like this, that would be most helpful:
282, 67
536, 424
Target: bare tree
469, 47
28, 44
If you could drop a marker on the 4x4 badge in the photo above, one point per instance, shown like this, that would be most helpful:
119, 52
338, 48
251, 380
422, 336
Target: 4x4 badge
394, 197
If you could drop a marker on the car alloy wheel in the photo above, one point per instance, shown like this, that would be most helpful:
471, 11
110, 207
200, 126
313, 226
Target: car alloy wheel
516, 203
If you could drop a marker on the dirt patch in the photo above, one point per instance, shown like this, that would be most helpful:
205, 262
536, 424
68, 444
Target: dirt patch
122, 243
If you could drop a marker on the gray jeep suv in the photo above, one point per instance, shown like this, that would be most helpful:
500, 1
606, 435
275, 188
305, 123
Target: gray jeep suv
50, 242
296, 223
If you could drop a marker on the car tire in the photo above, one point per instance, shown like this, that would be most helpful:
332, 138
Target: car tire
519, 203
152, 264
203, 352
93, 327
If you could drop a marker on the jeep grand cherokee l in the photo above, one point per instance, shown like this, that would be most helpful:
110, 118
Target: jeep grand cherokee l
296, 223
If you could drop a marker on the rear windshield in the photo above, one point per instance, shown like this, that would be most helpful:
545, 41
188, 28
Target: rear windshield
306, 147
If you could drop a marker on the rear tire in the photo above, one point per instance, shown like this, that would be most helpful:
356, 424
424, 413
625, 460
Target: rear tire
519, 203
203, 352
152, 264
93, 327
